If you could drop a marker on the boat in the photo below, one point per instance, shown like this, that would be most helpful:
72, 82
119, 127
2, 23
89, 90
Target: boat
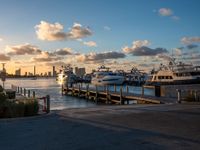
136, 77
103, 76
66, 76
175, 73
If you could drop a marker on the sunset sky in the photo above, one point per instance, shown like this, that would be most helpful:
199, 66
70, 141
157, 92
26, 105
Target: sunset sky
89, 33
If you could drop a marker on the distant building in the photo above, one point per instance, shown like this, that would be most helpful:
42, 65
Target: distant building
80, 72
18, 72
25, 74
54, 71
34, 70
49, 74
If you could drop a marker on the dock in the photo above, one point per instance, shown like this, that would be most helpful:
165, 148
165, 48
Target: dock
121, 97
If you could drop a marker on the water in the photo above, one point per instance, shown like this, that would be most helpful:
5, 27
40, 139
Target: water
44, 87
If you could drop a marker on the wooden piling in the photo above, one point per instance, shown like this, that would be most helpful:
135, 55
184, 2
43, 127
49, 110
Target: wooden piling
29, 93
121, 96
179, 95
96, 94
114, 87
33, 94
142, 90
24, 92
48, 103
107, 94
20, 90
127, 89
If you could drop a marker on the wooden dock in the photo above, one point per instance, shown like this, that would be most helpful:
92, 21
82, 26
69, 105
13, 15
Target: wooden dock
114, 97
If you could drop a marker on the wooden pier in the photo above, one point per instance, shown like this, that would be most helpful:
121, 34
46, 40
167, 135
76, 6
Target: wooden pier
114, 97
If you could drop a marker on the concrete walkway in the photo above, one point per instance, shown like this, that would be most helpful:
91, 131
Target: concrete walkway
154, 127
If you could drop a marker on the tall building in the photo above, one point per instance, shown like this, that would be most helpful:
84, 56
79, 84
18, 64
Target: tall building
18, 72
34, 71
54, 71
49, 74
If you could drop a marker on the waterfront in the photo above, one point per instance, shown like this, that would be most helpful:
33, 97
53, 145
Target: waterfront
43, 86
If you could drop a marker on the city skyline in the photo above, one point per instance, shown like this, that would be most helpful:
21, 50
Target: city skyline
88, 34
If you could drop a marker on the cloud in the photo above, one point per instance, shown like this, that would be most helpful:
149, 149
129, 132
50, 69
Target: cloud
95, 57
190, 40
54, 32
175, 18
107, 28
139, 48
3, 57
23, 49
192, 46
59, 63
165, 11
90, 44
63, 51
46, 57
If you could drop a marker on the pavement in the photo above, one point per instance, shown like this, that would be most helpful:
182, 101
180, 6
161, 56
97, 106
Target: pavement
126, 127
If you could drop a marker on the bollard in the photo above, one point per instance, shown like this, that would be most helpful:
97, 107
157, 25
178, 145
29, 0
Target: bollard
48, 103
29, 93
179, 95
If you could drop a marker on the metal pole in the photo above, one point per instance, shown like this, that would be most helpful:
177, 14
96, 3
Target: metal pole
24, 92
29, 93
33, 94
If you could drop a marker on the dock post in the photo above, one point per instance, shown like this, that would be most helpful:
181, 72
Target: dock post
29, 93
24, 92
179, 95
20, 90
62, 89
79, 90
142, 90
87, 92
114, 87
195, 95
127, 89
96, 94
121, 96
107, 94
33, 94
48, 103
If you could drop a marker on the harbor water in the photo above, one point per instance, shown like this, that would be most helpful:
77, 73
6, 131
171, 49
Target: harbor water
43, 87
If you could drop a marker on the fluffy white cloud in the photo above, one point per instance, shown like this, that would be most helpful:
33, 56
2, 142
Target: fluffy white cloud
107, 28
96, 57
90, 44
46, 57
190, 40
139, 48
3, 57
54, 32
63, 51
165, 11
23, 49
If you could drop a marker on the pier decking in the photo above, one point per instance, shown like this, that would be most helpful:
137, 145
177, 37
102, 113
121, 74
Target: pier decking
115, 97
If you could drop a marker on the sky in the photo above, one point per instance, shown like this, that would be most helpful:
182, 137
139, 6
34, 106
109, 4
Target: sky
87, 33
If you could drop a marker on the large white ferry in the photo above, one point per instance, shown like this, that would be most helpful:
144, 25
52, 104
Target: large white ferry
103, 76
175, 73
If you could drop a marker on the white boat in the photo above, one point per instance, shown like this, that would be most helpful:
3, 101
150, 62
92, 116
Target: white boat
135, 77
175, 73
105, 77
66, 76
